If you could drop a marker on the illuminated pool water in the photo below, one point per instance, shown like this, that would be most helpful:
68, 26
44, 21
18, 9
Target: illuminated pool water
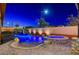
29, 39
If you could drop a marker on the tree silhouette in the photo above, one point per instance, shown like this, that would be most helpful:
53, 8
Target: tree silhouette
42, 23
16, 25
72, 20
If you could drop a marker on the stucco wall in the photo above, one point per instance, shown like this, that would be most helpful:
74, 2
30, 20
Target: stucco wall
67, 30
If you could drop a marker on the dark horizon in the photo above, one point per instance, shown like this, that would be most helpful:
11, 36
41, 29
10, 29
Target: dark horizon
28, 14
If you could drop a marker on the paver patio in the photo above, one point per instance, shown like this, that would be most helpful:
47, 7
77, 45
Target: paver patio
51, 49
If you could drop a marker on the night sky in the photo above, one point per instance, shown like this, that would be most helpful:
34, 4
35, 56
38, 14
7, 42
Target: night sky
28, 14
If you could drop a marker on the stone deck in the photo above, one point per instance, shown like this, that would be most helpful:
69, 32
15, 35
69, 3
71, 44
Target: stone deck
52, 49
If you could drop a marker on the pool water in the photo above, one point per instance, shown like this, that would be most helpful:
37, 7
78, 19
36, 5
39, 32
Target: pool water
29, 39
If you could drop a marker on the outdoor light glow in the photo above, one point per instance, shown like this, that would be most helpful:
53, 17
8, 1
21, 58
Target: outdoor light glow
7, 22
46, 11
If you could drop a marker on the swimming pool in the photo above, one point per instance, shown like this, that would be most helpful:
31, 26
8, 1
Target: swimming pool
29, 39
